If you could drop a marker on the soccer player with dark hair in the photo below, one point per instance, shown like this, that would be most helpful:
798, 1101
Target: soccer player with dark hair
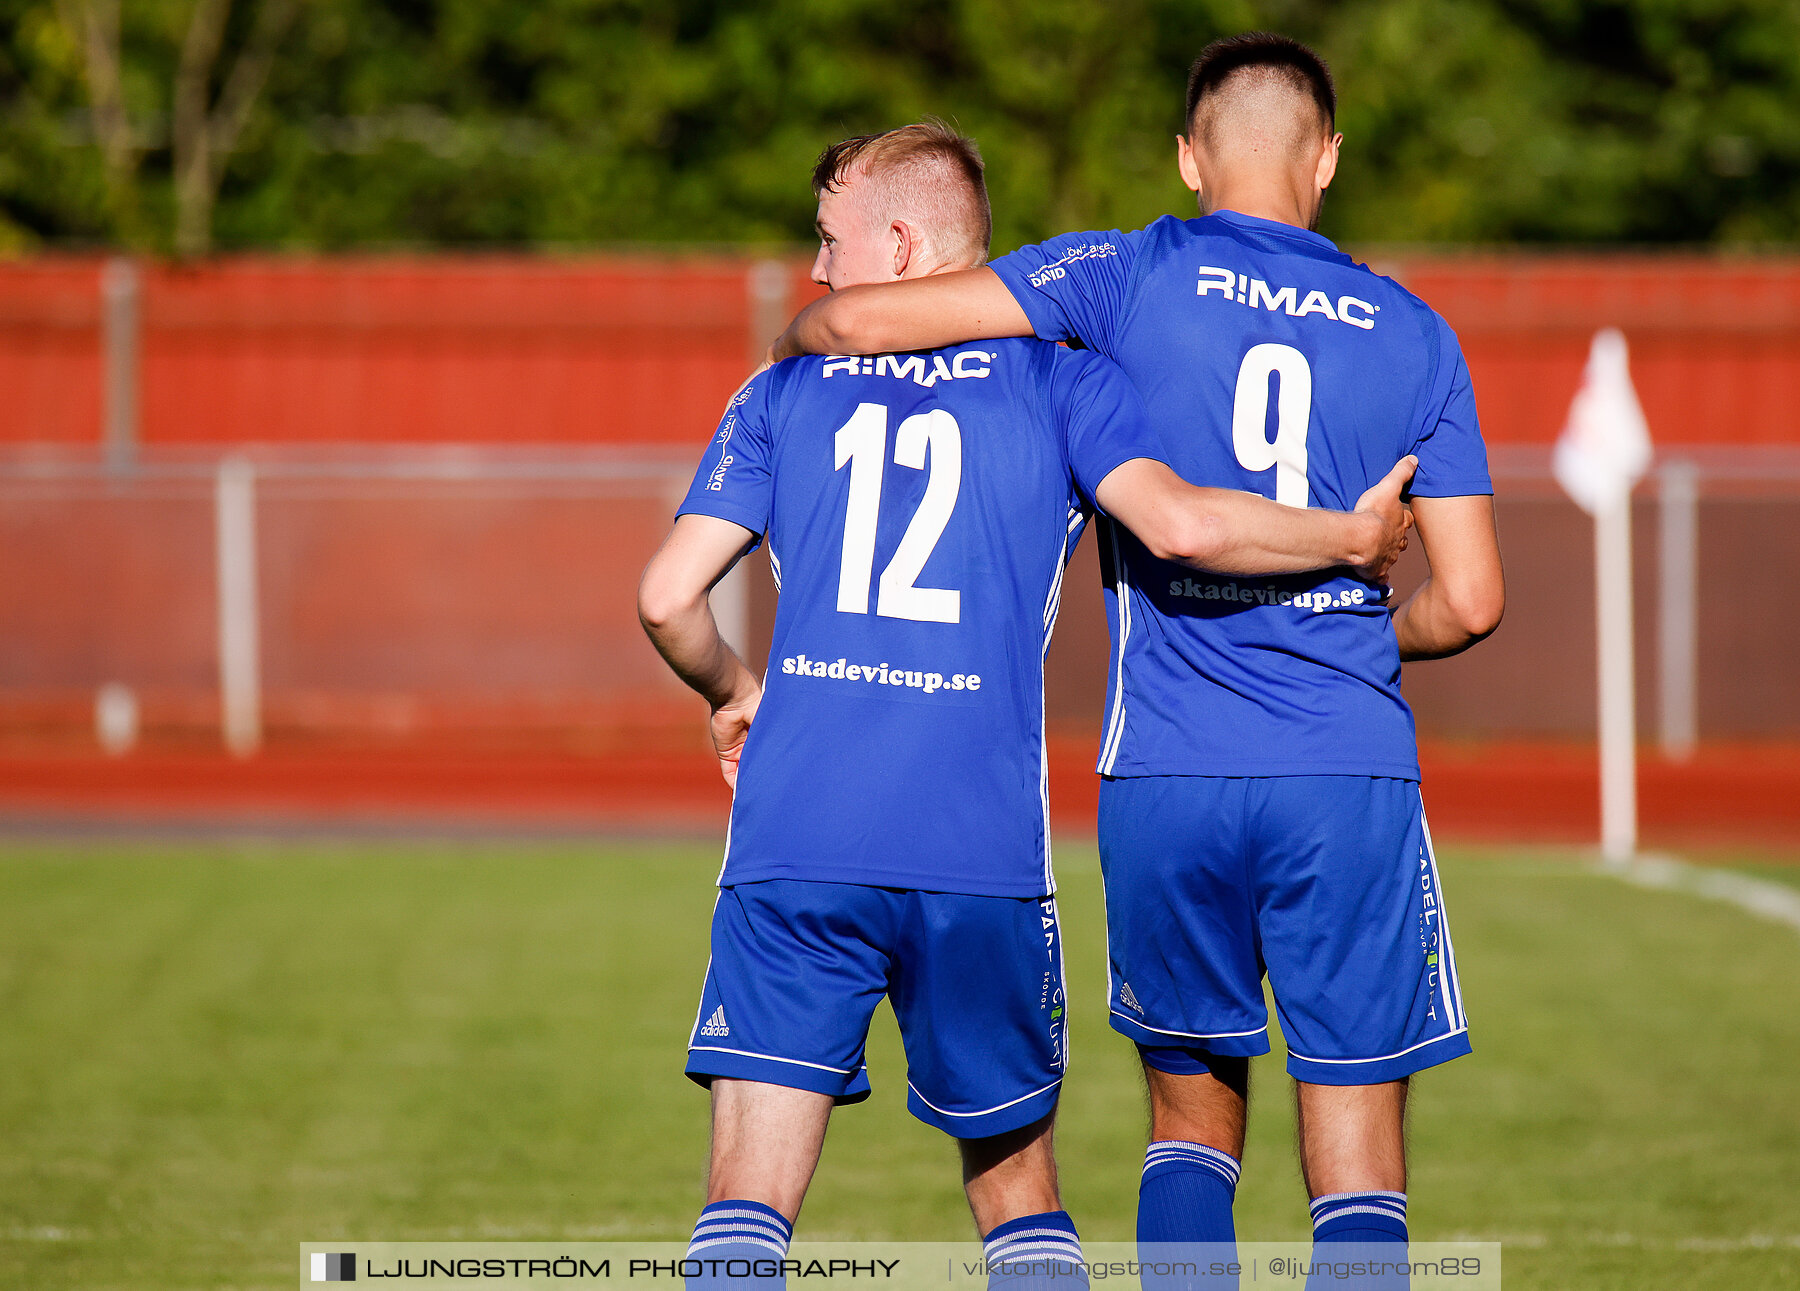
1261, 809
889, 830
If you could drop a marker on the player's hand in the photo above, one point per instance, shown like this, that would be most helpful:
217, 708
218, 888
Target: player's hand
1383, 503
730, 726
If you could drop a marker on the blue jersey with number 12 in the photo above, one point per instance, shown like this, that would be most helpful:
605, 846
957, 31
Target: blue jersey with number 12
1272, 362
919, 511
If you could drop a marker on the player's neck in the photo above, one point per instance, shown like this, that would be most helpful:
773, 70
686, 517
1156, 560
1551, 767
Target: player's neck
1263, 198
936, 267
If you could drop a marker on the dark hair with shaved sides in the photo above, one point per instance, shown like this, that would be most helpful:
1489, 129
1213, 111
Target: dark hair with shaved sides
928, 174
1261, 57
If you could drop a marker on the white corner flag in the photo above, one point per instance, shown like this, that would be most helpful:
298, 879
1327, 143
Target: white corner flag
1605, 450
1605, 445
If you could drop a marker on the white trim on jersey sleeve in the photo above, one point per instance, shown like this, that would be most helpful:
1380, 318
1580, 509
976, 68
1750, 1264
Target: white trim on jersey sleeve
1109, 749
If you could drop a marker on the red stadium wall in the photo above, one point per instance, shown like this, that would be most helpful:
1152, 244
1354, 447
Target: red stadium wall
1715, 344
392, 351
446, 617
512, 350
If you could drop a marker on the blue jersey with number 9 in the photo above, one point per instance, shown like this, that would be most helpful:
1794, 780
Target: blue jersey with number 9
1270, 361
919, 510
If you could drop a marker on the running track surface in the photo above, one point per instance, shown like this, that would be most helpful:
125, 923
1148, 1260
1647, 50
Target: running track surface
1491, 792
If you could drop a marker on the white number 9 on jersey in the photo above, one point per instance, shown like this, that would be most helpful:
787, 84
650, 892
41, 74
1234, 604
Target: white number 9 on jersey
1293, 412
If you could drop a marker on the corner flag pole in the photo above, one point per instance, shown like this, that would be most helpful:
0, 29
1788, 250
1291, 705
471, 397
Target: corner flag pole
1618, 681
1604, 450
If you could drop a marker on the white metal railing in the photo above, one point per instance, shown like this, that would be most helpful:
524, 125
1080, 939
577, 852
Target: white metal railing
1678, 480
235, 482
1678, 618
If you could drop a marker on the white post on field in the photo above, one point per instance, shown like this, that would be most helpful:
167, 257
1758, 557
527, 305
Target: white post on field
1618, 680
240, 647
116, 719
1679, 644
1604, 450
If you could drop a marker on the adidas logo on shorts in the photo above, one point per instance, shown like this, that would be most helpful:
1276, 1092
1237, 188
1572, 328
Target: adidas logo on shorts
1129, 1000
715, 1025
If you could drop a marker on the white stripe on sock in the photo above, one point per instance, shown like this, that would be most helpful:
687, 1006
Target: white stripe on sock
1166, 1151
723, 1224
760, 1216
1050, 1234
737, 1239
1066, 1252
1331, 1198
1390, 1205
1355, 1210
761, 1227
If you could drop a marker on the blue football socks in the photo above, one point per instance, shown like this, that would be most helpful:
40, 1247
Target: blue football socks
1375, 1221
1360, 1217
1185, 1193
1185, 1196
732, 1231
1035, 1252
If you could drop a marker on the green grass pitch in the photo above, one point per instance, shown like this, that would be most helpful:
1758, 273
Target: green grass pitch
212, 1052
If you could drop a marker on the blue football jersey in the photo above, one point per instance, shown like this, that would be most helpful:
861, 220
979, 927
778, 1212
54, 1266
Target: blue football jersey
1270, 361
919, 511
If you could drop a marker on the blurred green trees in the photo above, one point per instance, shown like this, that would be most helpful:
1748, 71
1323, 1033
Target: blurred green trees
585, 122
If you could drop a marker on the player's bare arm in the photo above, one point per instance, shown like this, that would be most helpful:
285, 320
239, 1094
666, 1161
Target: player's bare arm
1462, 599
1232, 532
917, 314
675, 608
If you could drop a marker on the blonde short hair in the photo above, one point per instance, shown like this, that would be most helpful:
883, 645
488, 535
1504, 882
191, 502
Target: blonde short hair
927, 174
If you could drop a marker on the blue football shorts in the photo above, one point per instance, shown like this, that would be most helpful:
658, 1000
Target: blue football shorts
1325, 883
976, 984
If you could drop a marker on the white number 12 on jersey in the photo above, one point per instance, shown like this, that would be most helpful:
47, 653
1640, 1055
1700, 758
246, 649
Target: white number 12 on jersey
1293, 411
862, 442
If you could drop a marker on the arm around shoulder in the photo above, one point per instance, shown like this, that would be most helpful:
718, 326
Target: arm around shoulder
915, 314
1242, 534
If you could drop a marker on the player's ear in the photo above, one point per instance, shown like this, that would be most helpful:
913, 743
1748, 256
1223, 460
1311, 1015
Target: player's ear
1186, 163
1328, 160
906, 246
